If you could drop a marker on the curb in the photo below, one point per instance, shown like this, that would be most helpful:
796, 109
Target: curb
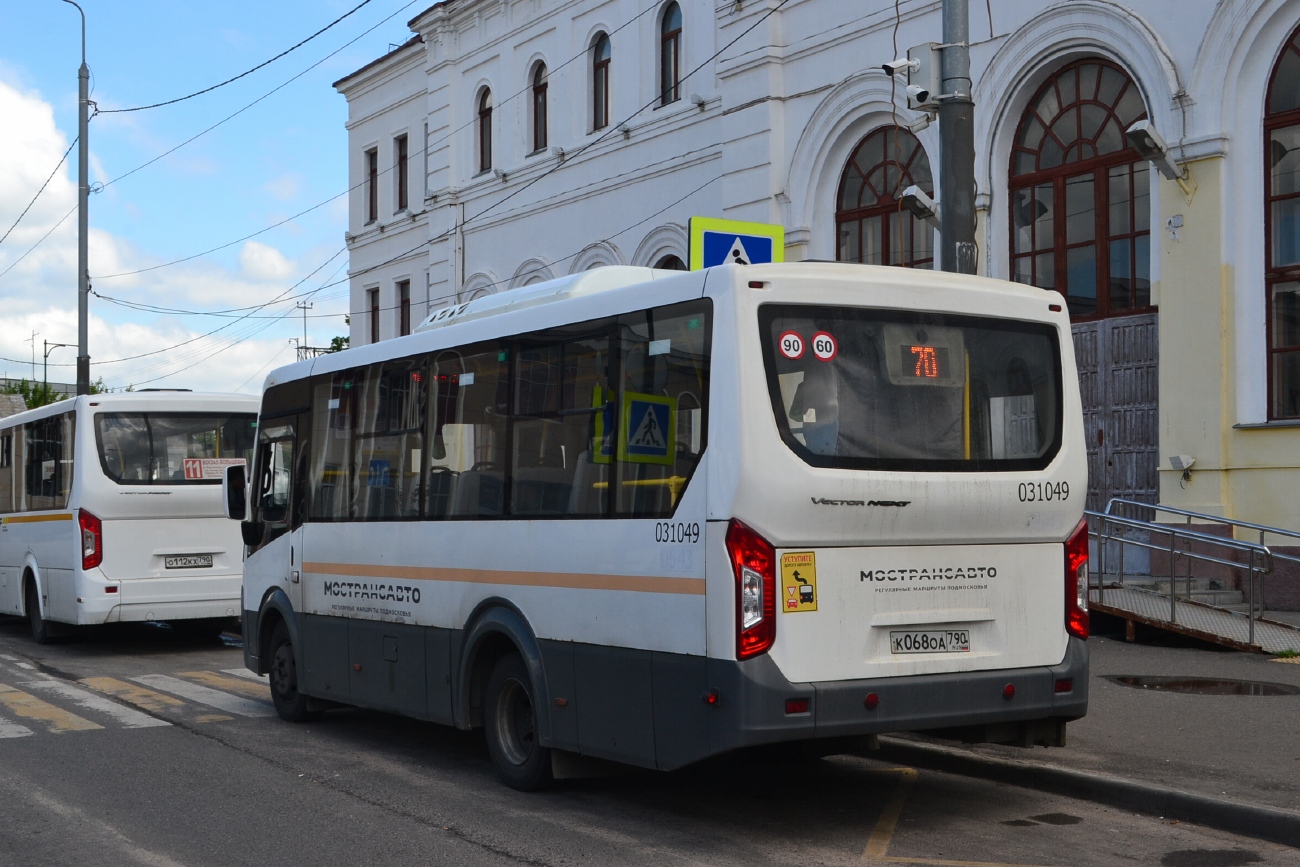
1264, 823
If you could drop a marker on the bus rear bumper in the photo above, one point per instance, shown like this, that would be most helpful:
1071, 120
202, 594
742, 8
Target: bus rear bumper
141, 599
753, 696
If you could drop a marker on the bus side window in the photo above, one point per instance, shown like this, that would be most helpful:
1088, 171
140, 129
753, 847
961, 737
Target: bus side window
275, 469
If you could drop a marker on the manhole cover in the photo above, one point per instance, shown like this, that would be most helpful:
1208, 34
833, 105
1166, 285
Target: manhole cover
1203, 685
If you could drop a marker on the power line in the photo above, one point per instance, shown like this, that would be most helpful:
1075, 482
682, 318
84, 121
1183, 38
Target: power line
422, 152
240, 75
15, 262
62, 160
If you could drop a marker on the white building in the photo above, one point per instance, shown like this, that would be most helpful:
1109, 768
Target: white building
565, 135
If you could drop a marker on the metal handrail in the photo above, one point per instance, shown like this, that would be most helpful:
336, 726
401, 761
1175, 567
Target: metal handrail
1259, 559
1262, 529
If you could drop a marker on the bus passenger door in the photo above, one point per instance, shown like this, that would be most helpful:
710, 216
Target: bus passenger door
278, 561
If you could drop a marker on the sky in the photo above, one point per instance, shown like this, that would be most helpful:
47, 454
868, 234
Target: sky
156, 322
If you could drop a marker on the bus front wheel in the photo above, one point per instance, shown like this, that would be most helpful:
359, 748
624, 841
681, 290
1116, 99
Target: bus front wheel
290, 704
511, 722
41, 631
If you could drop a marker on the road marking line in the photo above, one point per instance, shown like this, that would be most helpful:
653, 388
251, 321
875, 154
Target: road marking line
13, 730
30, 707
246, 674
230, 684
878, 843
154, 702
203, 695
129, 717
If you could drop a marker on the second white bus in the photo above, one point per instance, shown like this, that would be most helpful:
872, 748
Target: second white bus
653, 516
110, 509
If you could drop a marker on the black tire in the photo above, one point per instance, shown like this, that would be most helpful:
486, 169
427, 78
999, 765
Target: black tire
290, 704
511, 723
42, 632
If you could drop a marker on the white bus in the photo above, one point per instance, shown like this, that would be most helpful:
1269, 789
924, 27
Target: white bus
652, 516
110, 509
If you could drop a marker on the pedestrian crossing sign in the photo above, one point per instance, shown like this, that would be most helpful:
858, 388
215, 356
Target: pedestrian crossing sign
648, 432
733, 242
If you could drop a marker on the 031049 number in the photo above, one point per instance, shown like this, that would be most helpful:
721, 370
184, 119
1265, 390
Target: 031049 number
677, 533
1043, 492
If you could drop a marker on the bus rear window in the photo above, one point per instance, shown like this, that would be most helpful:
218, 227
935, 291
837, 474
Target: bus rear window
888, 389
172, 448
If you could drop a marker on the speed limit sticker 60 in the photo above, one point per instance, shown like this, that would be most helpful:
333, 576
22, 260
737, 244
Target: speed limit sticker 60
824, 346
791, 344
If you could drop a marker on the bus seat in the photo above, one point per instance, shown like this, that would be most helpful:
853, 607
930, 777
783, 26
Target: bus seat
584, 497
541, 491
478, 492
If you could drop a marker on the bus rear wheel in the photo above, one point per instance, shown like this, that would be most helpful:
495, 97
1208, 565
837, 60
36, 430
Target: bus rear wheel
42, 632
289, 703
511, 722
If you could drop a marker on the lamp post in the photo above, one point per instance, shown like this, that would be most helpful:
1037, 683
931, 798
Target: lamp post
45, 368
83, 217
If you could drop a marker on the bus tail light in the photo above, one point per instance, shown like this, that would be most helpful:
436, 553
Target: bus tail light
92, 539
754, 561
1076, 581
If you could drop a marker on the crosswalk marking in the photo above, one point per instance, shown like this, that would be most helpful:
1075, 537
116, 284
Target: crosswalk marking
147, 699
246, 674
230, 684
13, 730
56, 719
204, 695
128, 717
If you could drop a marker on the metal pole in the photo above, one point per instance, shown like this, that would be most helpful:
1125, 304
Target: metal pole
957, 144
83, 216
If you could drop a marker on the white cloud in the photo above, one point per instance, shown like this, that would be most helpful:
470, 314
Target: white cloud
285, 188
260, 261
40, 293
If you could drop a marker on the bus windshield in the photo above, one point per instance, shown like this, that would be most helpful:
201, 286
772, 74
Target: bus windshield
172, 448
888, 389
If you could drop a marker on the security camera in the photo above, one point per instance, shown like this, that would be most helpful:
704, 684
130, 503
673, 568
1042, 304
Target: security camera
1184, 463
900, 66
917, 94
922, 206
500, 174
1144, 139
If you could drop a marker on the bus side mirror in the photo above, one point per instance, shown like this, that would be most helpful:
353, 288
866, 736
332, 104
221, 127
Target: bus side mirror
252, 533
233, 486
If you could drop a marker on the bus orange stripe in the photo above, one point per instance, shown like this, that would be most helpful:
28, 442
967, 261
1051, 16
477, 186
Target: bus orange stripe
32, 519
570, 580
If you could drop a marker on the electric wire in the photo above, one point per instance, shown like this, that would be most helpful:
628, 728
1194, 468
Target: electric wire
242, 74
38, 243
62, 160
422, 152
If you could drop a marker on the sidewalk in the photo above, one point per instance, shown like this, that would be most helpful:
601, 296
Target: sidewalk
1137, 746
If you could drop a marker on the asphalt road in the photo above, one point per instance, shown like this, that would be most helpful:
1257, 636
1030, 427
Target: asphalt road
134, 746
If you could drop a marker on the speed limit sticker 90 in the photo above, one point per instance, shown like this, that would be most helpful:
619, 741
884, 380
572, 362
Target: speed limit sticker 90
791, 344
824, 346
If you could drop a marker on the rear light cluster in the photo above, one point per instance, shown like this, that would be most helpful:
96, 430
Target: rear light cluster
92, 539
1076, 581
753, 559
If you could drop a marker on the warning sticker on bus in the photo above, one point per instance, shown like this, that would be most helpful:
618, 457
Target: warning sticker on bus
798, 581
202, 469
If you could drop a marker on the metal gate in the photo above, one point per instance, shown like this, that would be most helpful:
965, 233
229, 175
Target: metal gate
1117, 360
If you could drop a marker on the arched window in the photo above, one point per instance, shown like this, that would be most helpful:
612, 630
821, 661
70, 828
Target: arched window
539, 107
485, 131
871, 225
670, 263
670, 55
1080, 195
1282, 224
600, 53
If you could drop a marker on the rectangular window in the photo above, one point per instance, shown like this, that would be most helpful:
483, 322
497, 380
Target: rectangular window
403, 307
400, 161
372, 185
8, 495
374, 314
173, 448
48, 471
533, 426
889, 390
